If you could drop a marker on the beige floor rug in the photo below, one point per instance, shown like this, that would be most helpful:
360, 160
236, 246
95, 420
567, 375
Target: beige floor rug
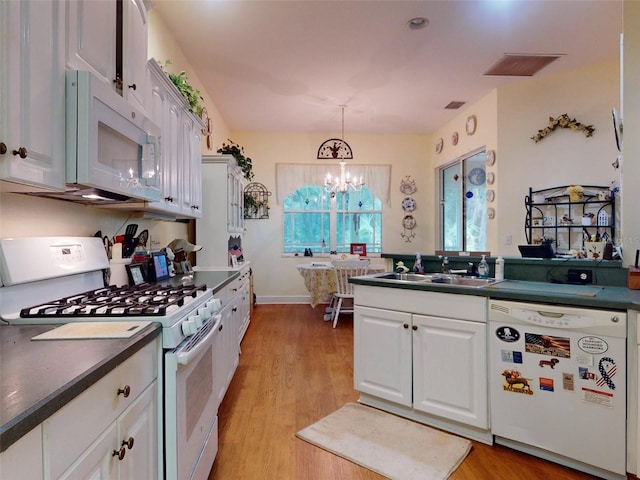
389, 445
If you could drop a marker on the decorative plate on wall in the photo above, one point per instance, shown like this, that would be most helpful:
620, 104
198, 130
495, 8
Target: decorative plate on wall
491, 213
408, 204
408, 186
491, 177
408, 222
470, 126
454, 138
491, 158
439, 145
491, 195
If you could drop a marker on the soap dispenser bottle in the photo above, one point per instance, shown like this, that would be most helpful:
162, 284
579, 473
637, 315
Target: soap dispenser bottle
417, 265
499, 268
483, 268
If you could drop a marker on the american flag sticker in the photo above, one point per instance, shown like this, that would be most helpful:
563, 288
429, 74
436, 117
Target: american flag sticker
547, 345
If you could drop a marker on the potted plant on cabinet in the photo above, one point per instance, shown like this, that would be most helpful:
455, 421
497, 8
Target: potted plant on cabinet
243, 161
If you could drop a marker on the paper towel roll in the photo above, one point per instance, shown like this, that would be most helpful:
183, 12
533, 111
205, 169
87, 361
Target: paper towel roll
118, 271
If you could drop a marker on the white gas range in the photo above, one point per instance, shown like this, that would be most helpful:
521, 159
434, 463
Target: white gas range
59, 280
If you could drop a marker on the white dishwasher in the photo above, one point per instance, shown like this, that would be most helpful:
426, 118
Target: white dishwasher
557, 380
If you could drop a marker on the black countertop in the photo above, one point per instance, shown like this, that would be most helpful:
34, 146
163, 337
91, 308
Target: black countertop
591, 296
37, 378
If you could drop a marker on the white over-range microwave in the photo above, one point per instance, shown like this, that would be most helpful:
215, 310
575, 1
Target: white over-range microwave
112, 149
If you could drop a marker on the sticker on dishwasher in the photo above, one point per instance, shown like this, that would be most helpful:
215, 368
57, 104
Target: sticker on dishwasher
604, 399
515, 382
511, 356
547, 345
593, 345
508, 334
546, 384
607, 368
567, 381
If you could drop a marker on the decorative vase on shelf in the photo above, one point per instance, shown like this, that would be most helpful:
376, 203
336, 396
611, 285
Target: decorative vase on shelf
575, 193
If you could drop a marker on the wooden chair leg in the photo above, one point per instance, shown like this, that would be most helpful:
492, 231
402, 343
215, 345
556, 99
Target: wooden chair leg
336, 312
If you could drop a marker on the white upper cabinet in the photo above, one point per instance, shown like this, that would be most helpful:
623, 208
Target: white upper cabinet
180, 145
32, 95
93, 38
134, 39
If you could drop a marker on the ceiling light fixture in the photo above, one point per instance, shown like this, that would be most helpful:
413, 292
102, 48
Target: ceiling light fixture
344, 182
417, 23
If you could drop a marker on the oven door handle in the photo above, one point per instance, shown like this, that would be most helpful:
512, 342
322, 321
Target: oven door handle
184, 358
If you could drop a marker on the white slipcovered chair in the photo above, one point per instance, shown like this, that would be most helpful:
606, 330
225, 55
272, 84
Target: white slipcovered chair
335, 257
345, 269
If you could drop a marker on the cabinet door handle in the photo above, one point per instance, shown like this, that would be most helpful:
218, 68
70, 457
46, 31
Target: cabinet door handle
126, 391
127, 443
133, 86
406, 325
22, 152
3, 148
119, 453
415, 327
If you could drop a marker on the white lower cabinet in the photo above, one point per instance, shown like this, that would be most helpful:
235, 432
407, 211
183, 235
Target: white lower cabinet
110, 431
23, 459
429, 367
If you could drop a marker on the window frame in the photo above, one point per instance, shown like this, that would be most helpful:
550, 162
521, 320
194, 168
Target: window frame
440, 170
337, 216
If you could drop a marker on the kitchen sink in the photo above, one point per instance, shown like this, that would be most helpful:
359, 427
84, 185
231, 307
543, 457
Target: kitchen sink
436, 278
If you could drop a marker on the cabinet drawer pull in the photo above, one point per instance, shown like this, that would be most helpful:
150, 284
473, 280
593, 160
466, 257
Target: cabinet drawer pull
128, 443
133, 86
3, 148
415, 327
119, 453
22, 152
406, 325
126, 391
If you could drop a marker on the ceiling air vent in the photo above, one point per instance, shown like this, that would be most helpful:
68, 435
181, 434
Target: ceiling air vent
454, 105
521, 65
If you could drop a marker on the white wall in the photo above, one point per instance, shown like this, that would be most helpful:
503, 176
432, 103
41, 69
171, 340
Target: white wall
563, 157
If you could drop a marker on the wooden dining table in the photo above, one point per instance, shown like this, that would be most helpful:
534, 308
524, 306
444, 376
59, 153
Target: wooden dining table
320, 280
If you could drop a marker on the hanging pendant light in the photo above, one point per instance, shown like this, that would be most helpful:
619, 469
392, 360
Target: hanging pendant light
344, 181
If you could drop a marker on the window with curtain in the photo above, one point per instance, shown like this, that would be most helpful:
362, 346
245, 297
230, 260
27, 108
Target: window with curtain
463, 217
313, 220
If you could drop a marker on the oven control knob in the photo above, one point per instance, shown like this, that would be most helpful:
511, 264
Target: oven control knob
197, 320
216, 304
189, 327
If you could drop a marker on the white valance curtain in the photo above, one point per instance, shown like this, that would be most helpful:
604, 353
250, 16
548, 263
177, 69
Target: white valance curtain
291, 176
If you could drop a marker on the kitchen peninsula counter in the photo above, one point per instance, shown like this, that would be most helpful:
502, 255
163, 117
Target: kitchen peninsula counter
37, 378
592, 296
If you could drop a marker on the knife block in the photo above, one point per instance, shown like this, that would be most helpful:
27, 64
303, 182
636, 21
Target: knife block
633, 278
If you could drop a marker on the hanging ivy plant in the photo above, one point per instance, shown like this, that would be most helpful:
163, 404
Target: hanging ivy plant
190, 94
243, 161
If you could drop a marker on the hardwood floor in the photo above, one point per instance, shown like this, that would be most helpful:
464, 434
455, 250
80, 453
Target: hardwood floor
295, 369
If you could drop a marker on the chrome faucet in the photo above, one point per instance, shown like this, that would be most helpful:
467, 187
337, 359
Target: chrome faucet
444, 266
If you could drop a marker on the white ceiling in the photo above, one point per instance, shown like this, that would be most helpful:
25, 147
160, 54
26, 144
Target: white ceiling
288, 65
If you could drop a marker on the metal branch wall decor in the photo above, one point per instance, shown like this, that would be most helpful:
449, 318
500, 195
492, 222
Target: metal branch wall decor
563, 121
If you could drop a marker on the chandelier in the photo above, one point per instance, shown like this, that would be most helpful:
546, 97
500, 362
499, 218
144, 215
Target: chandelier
344, 181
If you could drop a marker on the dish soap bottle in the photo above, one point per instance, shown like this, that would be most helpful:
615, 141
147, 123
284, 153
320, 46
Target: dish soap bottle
417, 266
483, 268
499, 268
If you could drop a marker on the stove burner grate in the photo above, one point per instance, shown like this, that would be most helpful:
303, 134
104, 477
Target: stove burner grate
141, 300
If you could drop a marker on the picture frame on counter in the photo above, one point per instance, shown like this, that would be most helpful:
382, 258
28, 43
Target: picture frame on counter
135, 273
